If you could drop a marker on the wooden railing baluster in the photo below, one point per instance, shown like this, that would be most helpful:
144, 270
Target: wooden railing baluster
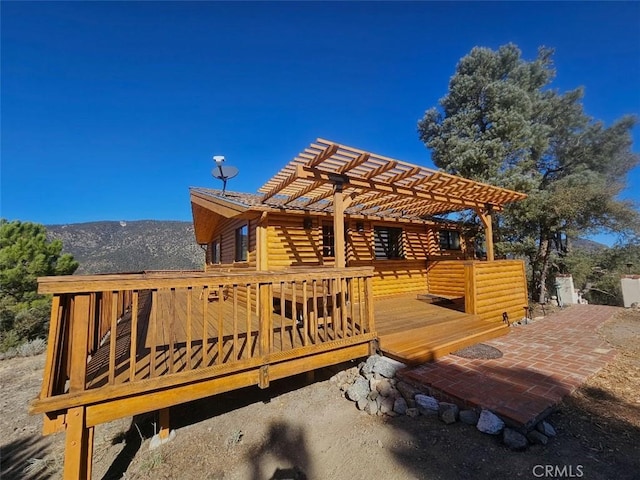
189, 320
235, 323
220, 325
305, 315
153, 332
205, 326
133, 353
248, 338
113, 338
171, 342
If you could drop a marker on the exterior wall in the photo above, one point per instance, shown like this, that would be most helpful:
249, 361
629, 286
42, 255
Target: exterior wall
496, 287
227, 237
446, 278
290, 244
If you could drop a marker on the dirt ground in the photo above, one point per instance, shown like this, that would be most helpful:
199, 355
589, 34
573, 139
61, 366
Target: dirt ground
302, 430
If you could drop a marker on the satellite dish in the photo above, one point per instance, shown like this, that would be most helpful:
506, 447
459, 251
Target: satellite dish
223, 172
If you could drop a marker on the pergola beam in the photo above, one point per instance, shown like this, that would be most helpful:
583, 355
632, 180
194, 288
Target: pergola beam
329, 151
367, 184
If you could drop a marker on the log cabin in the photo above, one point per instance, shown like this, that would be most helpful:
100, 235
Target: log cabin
341, 254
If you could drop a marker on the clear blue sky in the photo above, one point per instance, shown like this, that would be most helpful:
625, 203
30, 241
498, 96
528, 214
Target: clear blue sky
110, 111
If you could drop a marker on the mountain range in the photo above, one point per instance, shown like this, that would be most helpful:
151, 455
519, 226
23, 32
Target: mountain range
117, 247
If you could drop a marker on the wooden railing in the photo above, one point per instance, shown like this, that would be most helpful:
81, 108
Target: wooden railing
120, 335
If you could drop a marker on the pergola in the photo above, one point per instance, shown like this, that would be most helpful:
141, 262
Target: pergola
343, 177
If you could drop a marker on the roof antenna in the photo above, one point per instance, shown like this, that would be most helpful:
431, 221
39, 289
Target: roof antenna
223, 173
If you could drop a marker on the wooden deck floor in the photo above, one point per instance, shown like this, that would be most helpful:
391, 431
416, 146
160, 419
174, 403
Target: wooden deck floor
414, 331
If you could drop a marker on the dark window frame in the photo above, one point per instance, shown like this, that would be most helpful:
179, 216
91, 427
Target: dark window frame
388, 243
242, 243
215, 254
328, 241
450, 239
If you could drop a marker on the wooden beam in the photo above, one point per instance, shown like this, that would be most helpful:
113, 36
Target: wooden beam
217, 205
367, 184
359, 160
487, 221
338, 227
319, 197
302, 192
262, 245
382, 169
77, 452
283, 184
323, 155
406, 174
164, 422
79, 337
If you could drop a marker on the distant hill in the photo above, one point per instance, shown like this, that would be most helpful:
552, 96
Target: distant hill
116, 247
588, 245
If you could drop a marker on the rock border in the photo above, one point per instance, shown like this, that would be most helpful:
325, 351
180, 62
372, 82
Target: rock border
374, 388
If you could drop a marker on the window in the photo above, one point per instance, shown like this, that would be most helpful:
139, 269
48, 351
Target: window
242, 243
328, 241
214, 252
388, 242
449, 240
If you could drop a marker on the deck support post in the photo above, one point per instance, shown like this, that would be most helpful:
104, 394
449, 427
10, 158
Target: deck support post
338, 226
164, 421
263, 380
78, 446
487, 221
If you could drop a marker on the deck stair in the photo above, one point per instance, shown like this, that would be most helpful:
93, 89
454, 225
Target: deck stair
425, 331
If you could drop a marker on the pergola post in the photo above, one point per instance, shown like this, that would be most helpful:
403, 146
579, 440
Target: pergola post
262, 252
338, 226
487, 221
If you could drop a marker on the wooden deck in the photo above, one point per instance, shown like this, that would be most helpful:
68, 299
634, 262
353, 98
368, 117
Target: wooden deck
121, 345
415, 331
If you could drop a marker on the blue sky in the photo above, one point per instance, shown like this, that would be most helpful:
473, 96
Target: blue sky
110, 111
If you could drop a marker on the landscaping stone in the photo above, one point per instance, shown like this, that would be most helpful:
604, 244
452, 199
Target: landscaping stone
400, 406
408, 392
373, 383
359, 389
426, 405
412, 412
537, 438
385, 388
489, 423
387, 367
372, 407
546, 428
368, 365
448, 412
386, 405
362, 403
514, 440
470, 417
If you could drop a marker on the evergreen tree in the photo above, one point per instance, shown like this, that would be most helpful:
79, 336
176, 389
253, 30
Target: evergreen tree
25, 255
500, 123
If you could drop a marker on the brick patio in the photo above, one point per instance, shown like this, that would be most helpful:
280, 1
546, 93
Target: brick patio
542, 362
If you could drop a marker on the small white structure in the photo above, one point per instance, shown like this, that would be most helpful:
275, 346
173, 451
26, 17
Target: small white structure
566, 292
630, 290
